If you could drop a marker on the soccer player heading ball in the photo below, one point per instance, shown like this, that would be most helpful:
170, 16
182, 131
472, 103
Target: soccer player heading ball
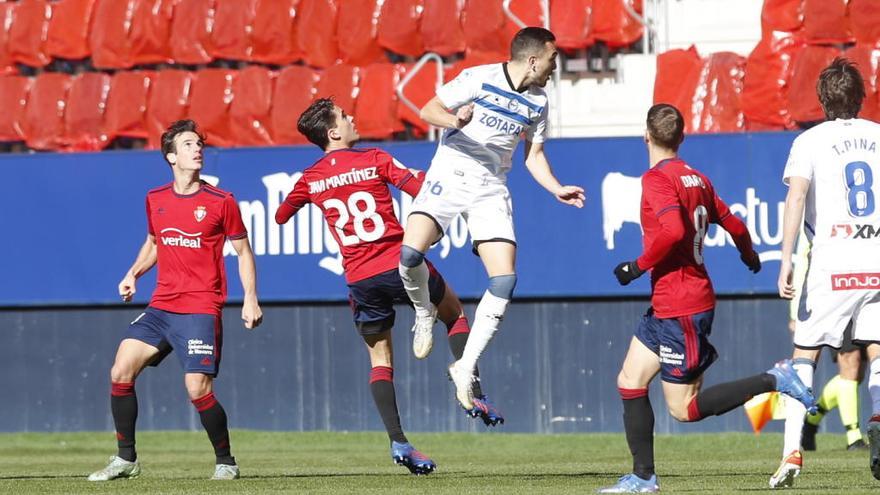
350, 186
483, 112
672, 339
188, 222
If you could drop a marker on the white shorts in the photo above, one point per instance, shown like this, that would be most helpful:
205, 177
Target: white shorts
830, 300
472, 191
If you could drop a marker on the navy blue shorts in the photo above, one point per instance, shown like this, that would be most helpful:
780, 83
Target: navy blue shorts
372, 299
196, 339
681, 343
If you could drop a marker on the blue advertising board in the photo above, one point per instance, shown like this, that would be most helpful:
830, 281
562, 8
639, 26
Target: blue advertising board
76, 221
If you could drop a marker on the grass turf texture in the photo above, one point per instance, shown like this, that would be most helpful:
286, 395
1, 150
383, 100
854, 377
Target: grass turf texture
273, 462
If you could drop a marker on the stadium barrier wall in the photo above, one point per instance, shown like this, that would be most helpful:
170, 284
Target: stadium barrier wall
78, 220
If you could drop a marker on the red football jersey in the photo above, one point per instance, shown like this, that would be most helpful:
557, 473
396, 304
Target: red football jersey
351, 188
679, 281
190, 231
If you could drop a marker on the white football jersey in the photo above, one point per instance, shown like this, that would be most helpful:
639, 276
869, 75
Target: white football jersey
501, 115
841, 158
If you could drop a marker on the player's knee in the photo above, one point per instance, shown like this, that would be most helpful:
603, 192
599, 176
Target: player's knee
624, 381
122, 372
410, 257
679, 412
502, 285
198, 385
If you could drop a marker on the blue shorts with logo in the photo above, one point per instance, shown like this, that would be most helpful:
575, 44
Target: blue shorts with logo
196, 339
372, 299
682, 344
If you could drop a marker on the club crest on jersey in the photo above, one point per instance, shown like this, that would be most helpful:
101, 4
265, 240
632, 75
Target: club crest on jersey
200, 213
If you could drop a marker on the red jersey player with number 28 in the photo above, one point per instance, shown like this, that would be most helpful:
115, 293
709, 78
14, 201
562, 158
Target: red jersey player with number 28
672, 339
351, 188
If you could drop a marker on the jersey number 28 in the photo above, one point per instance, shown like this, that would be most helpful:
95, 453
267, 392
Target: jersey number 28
358, 215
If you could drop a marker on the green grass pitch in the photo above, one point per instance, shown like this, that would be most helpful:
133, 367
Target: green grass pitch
488, 463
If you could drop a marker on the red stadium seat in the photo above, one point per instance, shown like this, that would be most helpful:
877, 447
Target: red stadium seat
28, 34
108, 39
864, 19
765, 85
127, 105
316, 32
274, 35
294, 92
191, 31
84, 115
233, 23
419, 90
441, 27
678, 73
782, 15
825, 21
357, 33
398, 28
210, 99
13, 99
341, 83
489, 30
7, 12
866, 58
717, 103
472, 59
168, 102
613, 24
803, 102
250, 115
375, 112
44, 117
69, 29
571, 21
150, 34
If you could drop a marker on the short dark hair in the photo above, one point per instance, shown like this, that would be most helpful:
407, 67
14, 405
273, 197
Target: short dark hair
316, 121
529, 41
841, 89
666, 126
173, 130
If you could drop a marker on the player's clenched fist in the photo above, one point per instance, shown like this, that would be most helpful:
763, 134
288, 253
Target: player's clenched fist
127, 287
627, 271
751, 260
251, 314
463, 115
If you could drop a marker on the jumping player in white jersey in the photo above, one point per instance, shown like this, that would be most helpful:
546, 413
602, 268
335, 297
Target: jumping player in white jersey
494, 105
833, 191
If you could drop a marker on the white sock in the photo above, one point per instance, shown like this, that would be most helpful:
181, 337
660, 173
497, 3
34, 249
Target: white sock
795, 412
415, 281
874, 386
489, 314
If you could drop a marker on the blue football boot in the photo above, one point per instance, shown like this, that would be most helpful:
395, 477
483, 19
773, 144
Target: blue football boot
406, 455
788, 383
485, 410
630, 483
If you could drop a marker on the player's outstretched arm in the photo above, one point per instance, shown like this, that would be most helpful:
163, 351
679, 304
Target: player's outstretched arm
438, 115
145, 260
539, 167
247, 271
743, 241
791, 221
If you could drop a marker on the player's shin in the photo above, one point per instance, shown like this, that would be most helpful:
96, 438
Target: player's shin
124, 406
490, 313
414, 274
382, 388
795, 411
638, 421
721, 398
874, 387
457, 333
214, 421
